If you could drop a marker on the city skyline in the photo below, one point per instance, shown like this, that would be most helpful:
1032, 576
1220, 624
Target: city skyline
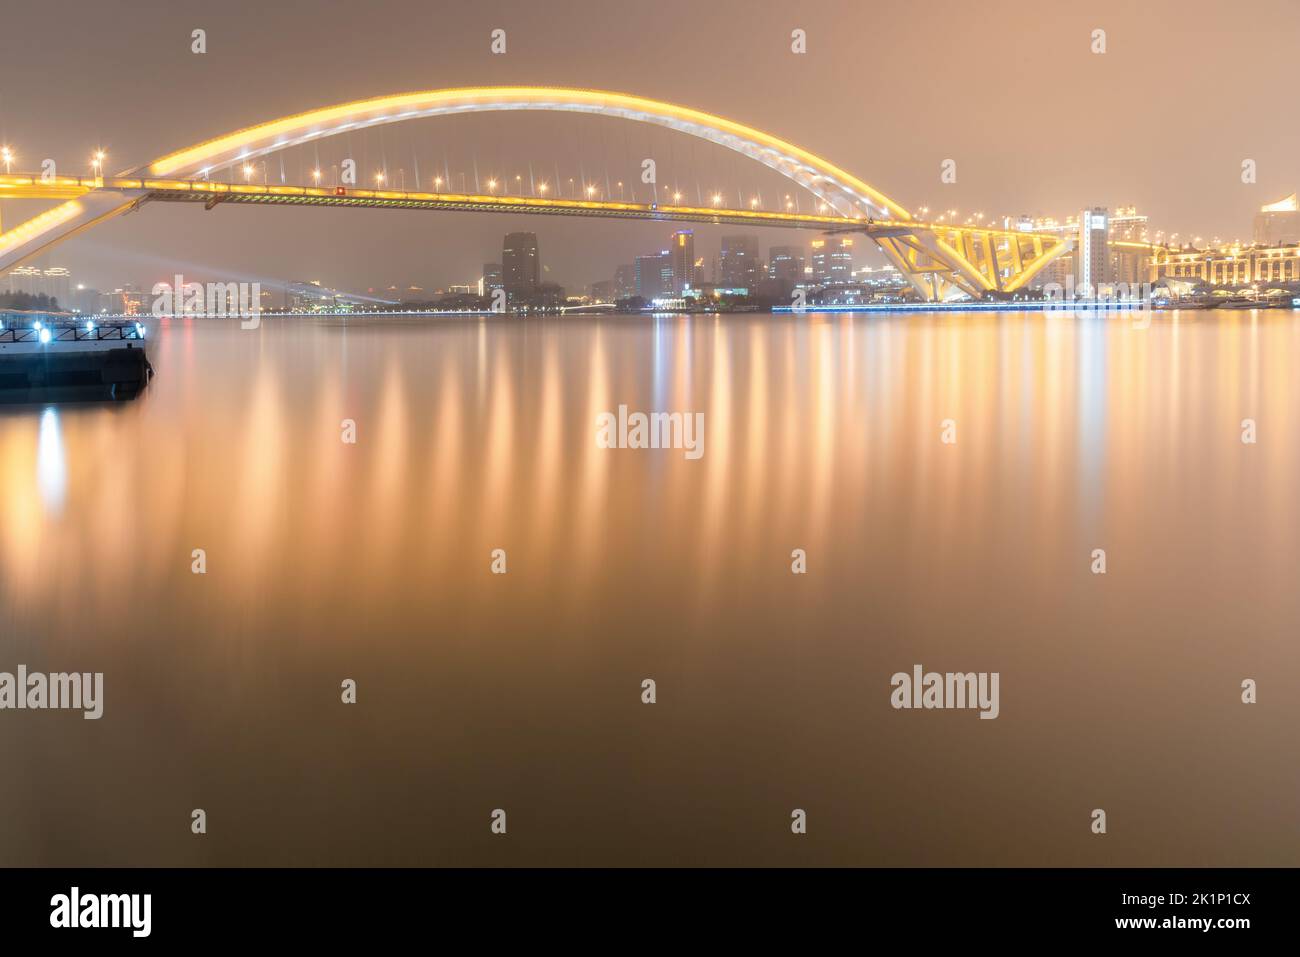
1192, 195
827, 260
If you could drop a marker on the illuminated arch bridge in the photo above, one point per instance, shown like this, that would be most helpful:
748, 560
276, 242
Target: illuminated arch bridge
942, 261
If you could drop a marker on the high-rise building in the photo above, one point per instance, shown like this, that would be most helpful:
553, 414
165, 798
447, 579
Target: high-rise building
55, 282
1128, 264
1094, 252
832, 260
1278, 223
820, 265
1128, 225
58, 285
521, 268
786, 262
740, 267
1101, 254
654, 275
492, 279
625, 281
602, 291
682, 251
28, 279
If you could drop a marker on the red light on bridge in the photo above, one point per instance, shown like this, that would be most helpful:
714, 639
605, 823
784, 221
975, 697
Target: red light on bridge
340, 191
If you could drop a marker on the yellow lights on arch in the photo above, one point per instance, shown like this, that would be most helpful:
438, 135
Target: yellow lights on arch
846, 193
941, 261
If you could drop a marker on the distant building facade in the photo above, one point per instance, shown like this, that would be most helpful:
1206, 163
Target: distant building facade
654, 275
786, 262
1094, 252
681, 250
832, 260
54, 281
740, 266
1278, 223
521, 267
1233, 265
492, 279
625, 281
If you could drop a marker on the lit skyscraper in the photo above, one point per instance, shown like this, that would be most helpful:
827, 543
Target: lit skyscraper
625, 281
55, 282
654, 275
521, 268
682, 252
1094, 251
28, 279
740, 266
832, 260
786, 262
58, 285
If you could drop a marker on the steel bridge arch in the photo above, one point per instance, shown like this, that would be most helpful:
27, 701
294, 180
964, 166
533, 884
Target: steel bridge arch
839, 189
940, 262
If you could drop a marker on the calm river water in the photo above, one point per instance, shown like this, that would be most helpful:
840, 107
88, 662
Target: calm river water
372, 561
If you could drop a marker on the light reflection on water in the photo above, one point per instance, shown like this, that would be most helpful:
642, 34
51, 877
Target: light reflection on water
52, 472
328, 560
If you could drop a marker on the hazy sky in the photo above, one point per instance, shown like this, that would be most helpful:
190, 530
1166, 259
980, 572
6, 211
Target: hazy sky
1010, 90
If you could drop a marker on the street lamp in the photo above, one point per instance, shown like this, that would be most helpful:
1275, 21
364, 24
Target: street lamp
248, 172
97, 163
7, 155
379, 178
315, 175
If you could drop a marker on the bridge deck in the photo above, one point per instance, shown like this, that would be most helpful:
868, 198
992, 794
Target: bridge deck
374, 199
212, 193
940, 259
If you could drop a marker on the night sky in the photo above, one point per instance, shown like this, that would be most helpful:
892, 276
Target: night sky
1037, 123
